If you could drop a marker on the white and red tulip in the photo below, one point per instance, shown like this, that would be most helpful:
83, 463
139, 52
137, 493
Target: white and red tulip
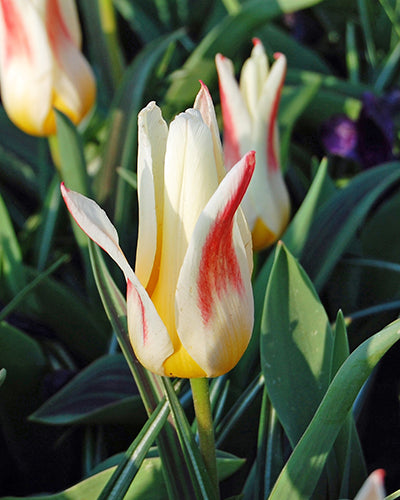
189, 301
373, 487
41, 64
249, 112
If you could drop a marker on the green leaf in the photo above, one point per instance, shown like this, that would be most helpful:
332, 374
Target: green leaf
313, 448
82, 327
338, 220
126, 471
296, 345
104, 392
11, 268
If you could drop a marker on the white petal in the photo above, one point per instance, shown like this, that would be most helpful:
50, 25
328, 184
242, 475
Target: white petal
26, 65
205, 105
236, 117
69, 15
74, 85
373, 488
214, 300
253, 76
147, 332
149, 337
190, 179
152, 134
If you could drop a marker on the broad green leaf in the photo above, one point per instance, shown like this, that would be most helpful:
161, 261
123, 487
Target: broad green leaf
240, 28
12, 273
68, 153
72, 164
104, 392
313, 448
24, 361
296, 345
339, 219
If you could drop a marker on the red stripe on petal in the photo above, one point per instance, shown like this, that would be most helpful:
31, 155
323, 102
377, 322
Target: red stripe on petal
134, 295
272, 154
57, 30
16, 39
231, 143
219, 267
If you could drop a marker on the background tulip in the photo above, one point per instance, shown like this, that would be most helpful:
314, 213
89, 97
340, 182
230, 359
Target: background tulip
190, 302
373, 487
249, 112
41, 66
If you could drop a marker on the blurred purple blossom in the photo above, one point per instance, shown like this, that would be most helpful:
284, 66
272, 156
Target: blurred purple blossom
370, 139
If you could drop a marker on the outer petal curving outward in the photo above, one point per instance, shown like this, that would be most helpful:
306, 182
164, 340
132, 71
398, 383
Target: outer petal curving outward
149, 337
214, 300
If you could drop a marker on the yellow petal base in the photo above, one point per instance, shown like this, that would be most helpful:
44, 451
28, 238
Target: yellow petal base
181, 365
262, 236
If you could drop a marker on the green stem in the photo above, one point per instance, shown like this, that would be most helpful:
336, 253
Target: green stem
205, 429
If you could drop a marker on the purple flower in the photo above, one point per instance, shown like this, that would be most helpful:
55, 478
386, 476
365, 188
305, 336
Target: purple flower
369, 140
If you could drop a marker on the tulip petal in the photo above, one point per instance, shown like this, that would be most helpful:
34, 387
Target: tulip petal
70, 20
204, 104
74, 84
214, 300
237, 121
149, 337
373, 487
152, 132
253, 76
26, 65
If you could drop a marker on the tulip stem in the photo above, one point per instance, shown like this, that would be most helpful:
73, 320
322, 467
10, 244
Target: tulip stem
205, 429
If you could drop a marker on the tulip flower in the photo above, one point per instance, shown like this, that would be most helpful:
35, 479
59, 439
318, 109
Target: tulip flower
249, 113
373, 487
189, 301
41, 65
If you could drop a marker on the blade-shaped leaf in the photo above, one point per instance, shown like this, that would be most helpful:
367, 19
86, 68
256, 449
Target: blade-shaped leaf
313, 448
104, 392
339, 219
296, 345
123, 476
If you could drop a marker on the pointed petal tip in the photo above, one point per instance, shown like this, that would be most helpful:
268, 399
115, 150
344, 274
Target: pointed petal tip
256, 41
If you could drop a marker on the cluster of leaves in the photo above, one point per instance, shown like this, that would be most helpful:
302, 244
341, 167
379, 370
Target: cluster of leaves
71, 413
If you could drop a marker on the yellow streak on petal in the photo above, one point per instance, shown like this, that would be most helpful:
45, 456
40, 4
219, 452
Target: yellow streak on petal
179, 364
262, 236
